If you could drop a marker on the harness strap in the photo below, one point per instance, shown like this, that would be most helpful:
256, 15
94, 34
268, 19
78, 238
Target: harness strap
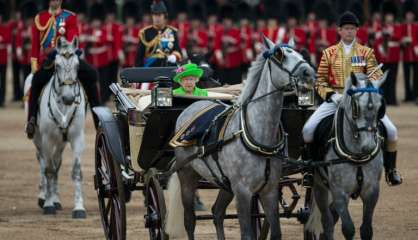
359, 178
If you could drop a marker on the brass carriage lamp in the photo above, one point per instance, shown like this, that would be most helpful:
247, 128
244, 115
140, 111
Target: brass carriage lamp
306, 97
162, 95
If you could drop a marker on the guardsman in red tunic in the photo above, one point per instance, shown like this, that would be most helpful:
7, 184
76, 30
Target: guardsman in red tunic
198, 39
130, 33
389, 51
5, 41
246, 31
228, 52
24, 37
410, 58
292, 34
257, 36
362, 32
183, 28
114, 42
48, 26
16, 25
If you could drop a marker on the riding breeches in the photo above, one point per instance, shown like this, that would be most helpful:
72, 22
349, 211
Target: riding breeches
86, 74
329, 108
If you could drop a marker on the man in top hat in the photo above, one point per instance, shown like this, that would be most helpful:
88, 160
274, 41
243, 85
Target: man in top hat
337, 63
130, 33
48, 26
409, 43
158, 43
5, 41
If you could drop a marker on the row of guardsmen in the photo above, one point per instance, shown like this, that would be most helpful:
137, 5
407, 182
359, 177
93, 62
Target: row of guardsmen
229, 44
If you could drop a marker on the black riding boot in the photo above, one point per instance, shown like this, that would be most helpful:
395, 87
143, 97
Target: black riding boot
306, 155
39, 80
392, 176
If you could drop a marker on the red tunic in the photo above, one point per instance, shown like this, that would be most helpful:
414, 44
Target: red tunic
114, 40
97, 48
198, 41
23, 44
5, 41
362, 35
387, 45
47, 28
298, 35
227, 49
410, 41
130, 45
246, 43
83, 29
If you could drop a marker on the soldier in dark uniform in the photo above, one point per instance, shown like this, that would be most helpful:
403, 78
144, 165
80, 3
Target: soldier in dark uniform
158, 43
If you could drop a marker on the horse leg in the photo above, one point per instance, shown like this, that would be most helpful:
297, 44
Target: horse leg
243, 199
223, 199
50, 173
369, 204
271, 209
341, 206
77, 177
322, 199
42, 180
189, 180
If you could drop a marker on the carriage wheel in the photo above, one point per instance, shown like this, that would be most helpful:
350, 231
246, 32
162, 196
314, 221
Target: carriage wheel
154, 202
110, 192
308, 208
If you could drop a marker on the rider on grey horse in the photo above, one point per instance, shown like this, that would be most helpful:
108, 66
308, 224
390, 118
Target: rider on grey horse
337, 62
48, 27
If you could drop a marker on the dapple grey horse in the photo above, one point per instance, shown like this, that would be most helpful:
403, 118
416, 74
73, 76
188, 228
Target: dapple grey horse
60, 120
359, 114
278, 68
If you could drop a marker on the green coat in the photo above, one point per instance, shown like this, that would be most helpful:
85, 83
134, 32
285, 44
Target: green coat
196, 92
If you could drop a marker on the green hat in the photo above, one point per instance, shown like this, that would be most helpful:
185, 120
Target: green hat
189, 69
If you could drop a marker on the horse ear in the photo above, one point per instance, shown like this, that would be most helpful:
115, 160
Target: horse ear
268, 43
379, 82
74, 43
353, 79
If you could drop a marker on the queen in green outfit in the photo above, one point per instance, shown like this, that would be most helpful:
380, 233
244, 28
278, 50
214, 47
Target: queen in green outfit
187, 76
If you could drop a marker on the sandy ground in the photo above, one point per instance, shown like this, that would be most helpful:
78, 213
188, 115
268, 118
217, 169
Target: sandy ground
396, 215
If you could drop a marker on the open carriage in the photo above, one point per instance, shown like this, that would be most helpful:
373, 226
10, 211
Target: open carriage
133, 153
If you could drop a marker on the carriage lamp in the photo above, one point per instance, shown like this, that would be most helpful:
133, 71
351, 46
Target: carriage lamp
306, 97
162, 95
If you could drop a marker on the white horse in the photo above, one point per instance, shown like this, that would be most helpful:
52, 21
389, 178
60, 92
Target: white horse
60, 120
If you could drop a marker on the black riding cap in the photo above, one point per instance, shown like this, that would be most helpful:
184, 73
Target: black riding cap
348, 18
158, 7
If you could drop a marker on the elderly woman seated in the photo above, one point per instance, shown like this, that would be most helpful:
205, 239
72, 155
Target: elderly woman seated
187, 76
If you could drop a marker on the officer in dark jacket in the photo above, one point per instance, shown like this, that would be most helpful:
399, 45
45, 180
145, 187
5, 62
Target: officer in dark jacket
158, 43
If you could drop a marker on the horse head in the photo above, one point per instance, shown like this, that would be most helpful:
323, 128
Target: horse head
66, 68
364, 106
289, 67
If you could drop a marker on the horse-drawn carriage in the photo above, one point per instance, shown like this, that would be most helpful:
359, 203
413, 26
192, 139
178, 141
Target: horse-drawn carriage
133, 153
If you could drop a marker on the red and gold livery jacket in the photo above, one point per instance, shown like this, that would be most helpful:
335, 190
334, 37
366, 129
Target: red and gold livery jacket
5, 41
335, 67
47, 28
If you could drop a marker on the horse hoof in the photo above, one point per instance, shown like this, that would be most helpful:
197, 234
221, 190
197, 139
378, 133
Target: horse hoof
57, 206
50, 210
79, 214
41, 202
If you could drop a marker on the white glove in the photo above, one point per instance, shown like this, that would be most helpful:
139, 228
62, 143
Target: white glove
336, 98
172, 58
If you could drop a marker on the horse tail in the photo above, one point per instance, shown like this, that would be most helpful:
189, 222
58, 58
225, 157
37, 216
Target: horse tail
314, 223
174, 224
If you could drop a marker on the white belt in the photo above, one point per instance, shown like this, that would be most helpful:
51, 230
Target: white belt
97, 50
393, 44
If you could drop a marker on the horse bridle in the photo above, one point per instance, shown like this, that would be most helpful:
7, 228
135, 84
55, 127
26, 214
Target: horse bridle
248, 140
66, 82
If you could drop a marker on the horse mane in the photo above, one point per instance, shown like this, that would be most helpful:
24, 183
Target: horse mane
253, 77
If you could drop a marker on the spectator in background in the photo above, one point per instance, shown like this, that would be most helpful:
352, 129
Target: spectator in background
130, 33
5, 41
16, 25
409, 43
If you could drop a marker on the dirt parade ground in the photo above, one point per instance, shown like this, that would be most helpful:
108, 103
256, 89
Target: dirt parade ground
396, 216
